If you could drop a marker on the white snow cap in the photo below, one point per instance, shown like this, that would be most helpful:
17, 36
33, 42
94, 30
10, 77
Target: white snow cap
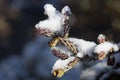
66, 9
84, 47
50, 10
105, 47
101, 36
53, 23
61, 64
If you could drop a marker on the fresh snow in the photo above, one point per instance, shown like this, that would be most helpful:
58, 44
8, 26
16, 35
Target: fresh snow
54, 22
105, 47
61, 64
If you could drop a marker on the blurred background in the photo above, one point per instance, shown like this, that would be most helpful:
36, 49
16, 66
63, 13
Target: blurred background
24, 55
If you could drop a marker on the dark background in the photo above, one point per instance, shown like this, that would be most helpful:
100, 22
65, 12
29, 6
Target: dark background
20, 44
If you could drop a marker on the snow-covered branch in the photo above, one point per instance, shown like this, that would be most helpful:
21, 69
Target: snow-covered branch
70, 51
62, 66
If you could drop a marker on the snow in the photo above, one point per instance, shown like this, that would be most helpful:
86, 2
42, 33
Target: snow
101, 36
84, 47
50, 10
61, 64
54, 21
87, 48
66, 9
105, 47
